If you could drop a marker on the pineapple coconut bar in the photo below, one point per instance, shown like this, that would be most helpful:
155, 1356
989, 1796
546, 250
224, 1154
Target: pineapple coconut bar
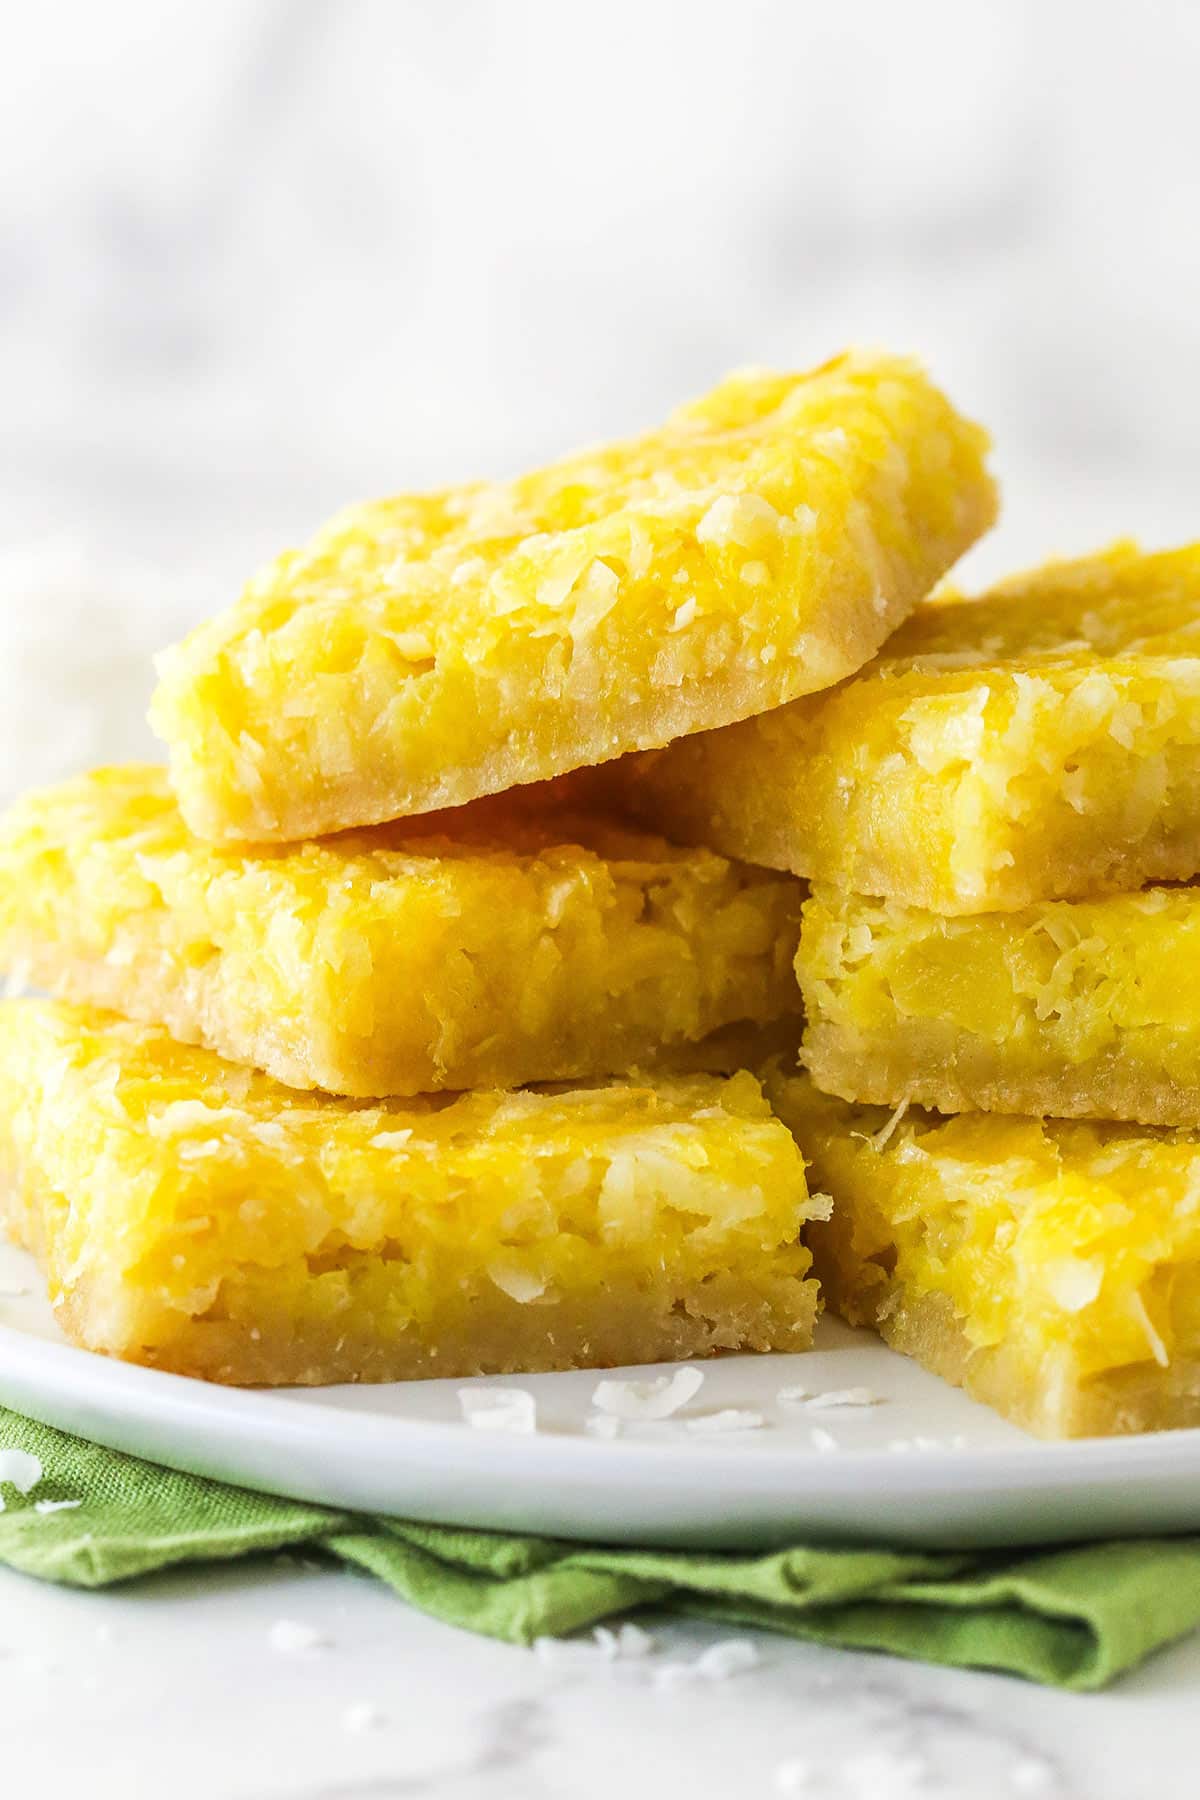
1042, 742
309, 1152
1051, 1267
425, 650
200, 1217
501, 945
1075, 1008
1033, 1232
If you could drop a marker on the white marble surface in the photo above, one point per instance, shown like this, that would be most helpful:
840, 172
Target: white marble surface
259, 257
172, 1687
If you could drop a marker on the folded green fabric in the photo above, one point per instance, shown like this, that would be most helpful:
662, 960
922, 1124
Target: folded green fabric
1075, 1617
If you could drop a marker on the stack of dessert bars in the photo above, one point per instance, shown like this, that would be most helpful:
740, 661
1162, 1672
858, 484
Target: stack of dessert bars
435, 1013
1000, 965
377, 1047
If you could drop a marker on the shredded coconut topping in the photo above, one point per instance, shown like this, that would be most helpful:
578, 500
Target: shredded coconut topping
1158, 1349
656, 1399
55, 1506
521, 1285
1073, 1281
884, 1135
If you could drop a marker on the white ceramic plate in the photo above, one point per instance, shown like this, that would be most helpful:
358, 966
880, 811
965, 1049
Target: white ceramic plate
923, 1466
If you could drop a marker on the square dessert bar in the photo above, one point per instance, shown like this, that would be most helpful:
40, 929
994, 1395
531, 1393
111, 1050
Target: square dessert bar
198, 1217
1076, 1008
425, 650
1049, 1267
1039, 743
502, 944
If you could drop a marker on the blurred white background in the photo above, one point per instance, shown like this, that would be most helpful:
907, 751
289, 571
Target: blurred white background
259, 257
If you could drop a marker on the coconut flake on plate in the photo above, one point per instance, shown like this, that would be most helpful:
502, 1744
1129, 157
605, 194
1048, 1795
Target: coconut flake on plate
499, 1409
851, 1396
823, 1440
655, 1399
731, 1418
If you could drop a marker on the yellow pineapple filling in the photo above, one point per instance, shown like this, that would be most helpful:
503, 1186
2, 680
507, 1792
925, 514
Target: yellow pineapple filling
489, 948
1051, 1267
1076, 1008
428, 649
1039, 743
199, 1217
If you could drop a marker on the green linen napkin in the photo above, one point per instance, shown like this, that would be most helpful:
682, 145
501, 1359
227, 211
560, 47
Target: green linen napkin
1074, 1618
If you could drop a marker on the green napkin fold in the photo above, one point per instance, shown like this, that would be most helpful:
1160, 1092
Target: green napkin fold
1074, 1618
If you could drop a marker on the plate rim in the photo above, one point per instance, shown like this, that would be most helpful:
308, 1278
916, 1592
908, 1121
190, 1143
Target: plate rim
159, 1396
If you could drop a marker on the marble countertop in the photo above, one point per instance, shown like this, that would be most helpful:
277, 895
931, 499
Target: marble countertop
173, 1686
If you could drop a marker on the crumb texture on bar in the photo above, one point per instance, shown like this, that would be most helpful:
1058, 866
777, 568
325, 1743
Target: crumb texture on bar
504, 944
196, 1216
1073, 1008
1039, 743
427, 649
1050, 1267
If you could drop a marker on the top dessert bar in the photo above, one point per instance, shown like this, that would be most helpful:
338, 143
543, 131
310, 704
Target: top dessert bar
427, 649
1042, 742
